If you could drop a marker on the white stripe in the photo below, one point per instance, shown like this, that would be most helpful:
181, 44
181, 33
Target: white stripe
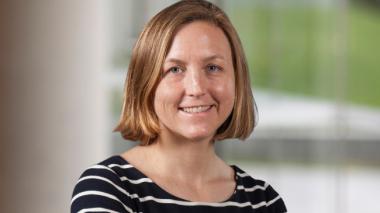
273, 200
191, 203
242, 174
123, 178
97, 210
141, 180
110, 182
240, 187
101, 194
258, 205
101, 167
125, 166
224, 204
263, 203
171, 201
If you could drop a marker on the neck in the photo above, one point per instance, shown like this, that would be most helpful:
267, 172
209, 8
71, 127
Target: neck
189, 160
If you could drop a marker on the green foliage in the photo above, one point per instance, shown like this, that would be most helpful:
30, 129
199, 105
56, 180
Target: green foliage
296, 50
364, 56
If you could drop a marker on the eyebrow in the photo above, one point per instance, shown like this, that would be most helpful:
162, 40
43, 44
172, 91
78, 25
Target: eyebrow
208, 58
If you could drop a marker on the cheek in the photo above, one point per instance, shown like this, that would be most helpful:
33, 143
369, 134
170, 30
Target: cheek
166, 97
159, 99
226, 92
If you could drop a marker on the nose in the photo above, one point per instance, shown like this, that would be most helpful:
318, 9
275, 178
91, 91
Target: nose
195, 83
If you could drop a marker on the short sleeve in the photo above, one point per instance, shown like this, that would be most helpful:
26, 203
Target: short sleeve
100, 189
275, 204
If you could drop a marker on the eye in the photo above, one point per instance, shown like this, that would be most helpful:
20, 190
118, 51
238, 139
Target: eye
175, 70
213, 68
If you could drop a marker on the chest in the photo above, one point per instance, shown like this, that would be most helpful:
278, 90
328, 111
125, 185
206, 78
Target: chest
215, 191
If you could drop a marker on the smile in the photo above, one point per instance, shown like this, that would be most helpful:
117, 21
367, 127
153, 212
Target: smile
196, 109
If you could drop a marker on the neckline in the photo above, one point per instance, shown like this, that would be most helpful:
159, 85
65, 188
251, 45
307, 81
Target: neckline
230, 198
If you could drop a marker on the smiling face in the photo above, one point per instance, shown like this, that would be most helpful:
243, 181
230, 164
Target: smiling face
196, 93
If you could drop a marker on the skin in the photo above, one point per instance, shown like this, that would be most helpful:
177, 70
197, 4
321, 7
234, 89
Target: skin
198, 71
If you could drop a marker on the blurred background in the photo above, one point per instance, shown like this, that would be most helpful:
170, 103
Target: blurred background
314, 72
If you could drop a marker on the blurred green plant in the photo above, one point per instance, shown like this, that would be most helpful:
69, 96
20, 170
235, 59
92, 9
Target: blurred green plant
368, 3
293, 49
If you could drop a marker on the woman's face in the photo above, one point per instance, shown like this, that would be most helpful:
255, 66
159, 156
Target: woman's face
197, 90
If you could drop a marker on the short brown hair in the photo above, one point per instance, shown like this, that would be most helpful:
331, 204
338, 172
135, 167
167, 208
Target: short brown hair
139, 121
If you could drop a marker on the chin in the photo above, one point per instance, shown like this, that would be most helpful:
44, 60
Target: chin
199, 135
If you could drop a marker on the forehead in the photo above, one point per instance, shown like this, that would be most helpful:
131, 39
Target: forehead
199, 39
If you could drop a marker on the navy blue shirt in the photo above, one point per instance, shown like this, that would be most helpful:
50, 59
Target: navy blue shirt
114, 185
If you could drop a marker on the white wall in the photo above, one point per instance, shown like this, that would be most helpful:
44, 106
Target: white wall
53, 104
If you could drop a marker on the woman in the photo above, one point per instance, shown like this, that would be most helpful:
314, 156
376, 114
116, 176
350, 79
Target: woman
187, 87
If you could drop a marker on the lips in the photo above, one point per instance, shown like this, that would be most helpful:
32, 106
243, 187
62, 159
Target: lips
196, 109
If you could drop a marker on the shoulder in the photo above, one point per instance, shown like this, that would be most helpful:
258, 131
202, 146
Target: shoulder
259, 192
100, 187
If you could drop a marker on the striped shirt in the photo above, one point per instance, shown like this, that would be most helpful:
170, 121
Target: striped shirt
114, 185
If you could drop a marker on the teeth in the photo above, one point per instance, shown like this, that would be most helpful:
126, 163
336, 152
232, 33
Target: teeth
196, 109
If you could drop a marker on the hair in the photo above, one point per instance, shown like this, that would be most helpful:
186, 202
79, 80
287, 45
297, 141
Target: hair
138, 121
